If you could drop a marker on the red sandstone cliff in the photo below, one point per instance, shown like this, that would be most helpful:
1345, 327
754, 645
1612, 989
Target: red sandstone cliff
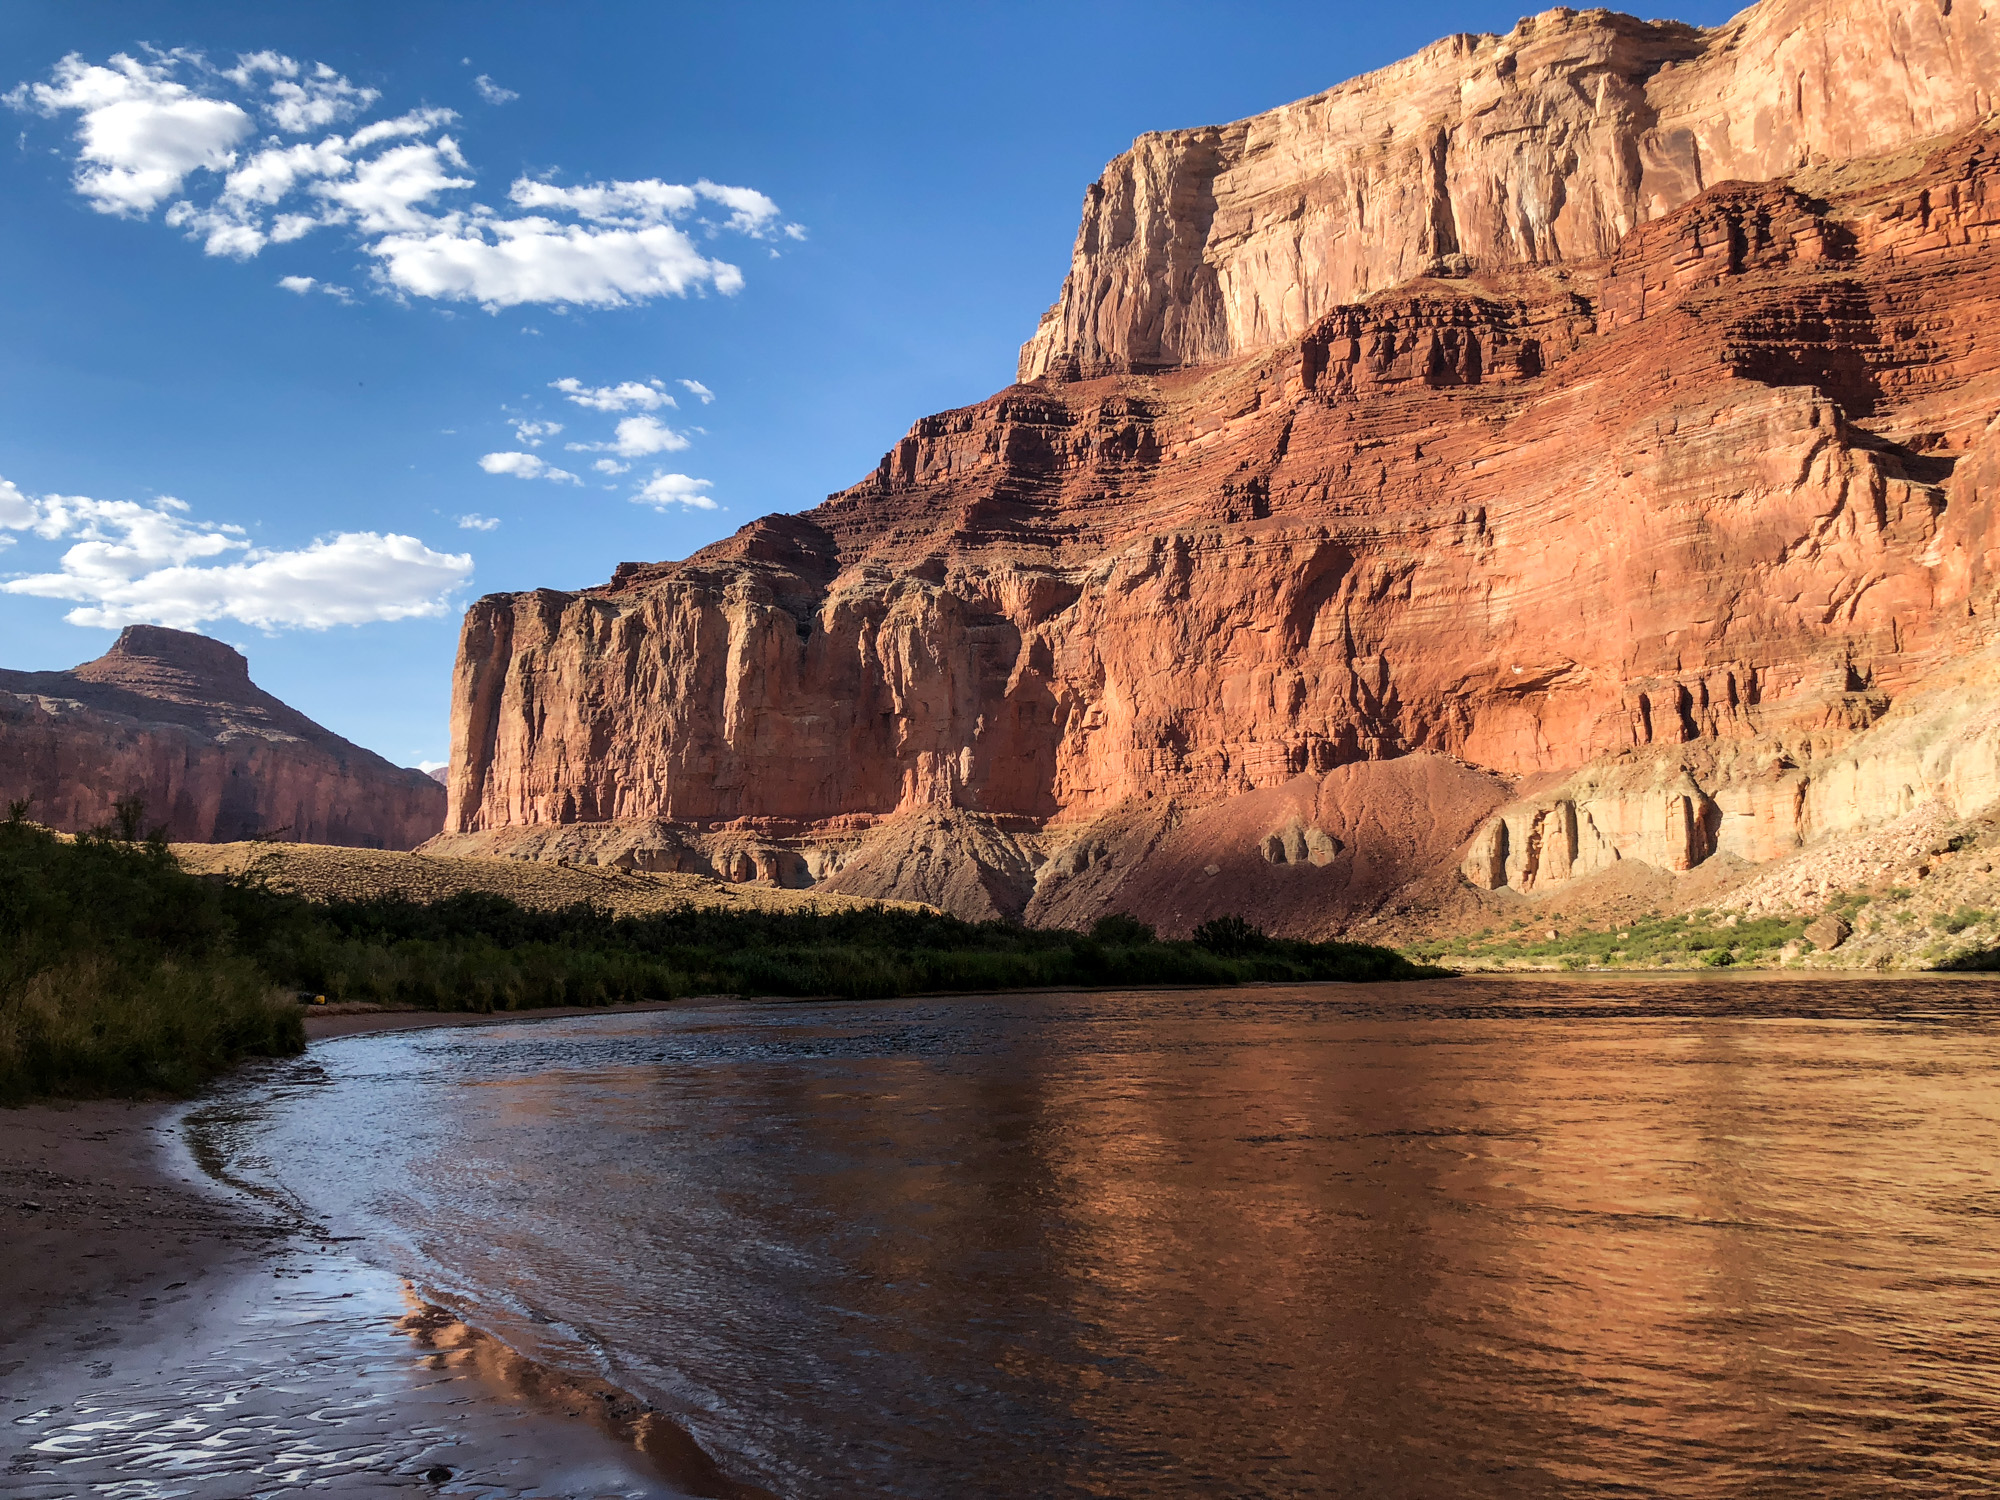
175, 719
1624, 511
1543, 147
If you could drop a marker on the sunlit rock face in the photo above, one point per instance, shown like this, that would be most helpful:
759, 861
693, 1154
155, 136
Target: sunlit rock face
1683, 492
174, 719
1540, 148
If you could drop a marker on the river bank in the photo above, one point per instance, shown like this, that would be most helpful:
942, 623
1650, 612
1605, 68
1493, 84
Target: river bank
141, 1292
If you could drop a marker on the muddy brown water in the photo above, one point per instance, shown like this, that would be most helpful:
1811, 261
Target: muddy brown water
1494, 1237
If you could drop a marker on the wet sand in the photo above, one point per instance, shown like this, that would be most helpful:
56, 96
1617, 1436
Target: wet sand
105, 1241
160, 1327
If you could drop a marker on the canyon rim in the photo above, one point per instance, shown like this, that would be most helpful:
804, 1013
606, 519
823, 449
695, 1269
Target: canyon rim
1559, 453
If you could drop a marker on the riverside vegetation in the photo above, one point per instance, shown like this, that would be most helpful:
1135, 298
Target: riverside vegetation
1953, 938
121, 973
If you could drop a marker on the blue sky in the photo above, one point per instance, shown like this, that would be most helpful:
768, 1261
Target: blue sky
281, 289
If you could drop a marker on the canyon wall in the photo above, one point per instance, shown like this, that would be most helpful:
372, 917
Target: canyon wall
174, 718
1543, 147
1683, 495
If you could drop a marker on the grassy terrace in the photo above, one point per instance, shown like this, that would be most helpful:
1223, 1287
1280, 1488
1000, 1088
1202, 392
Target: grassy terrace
122, 973
1651, 943
1955, 939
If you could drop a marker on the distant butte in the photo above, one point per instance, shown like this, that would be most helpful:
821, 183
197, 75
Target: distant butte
174, 718
1556, 454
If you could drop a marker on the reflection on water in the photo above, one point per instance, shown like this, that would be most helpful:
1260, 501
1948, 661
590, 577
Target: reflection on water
1472, 1238
298, 1384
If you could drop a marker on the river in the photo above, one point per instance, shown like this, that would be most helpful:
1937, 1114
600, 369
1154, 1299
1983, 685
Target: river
1483, 1237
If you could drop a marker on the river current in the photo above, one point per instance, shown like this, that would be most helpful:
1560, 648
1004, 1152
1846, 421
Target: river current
1479, 1237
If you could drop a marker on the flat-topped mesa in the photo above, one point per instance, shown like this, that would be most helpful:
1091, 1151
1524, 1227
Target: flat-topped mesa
173, 718
1542, 147
156, 646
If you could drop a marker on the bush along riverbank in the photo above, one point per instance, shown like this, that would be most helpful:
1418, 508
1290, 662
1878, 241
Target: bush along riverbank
119, 974
123, 973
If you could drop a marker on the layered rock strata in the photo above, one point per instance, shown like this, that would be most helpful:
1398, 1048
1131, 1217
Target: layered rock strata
1544, 147
174, 719
1625, 543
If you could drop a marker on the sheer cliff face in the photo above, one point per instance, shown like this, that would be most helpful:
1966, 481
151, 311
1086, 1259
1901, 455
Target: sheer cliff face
1540, 148
1725, 477
174, 718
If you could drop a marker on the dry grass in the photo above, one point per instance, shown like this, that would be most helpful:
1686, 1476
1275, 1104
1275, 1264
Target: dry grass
322, 872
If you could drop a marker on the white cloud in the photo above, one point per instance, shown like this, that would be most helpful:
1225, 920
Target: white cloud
531, 433
121, 539
610, 466
628, 203
140, 133
17, 511
132, 562
322, 99
351, 579
648, 200
621, 397
695, 387
477, 522
250, 64
753, 213
506, 262
144, 133
491, 92
384, 192
639, 436
663, 490
221, 231
525, 466
428, 766
416, 122
305, 285
269, 175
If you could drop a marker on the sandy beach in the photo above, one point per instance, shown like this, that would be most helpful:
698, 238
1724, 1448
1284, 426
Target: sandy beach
160, 1325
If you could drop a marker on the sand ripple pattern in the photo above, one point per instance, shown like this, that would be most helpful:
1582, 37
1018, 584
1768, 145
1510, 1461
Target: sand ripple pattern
321, 1377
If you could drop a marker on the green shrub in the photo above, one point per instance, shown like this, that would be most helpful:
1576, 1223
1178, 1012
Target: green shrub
117, 971
1120, 930
1229, 936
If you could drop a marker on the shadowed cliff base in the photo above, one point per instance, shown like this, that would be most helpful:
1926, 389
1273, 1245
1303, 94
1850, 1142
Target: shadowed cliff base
1541, 512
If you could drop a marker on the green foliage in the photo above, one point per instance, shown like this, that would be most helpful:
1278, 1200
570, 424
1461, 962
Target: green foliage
1964, 917
1229, 936
117, 971
1650, 942
1123, 930
120, 972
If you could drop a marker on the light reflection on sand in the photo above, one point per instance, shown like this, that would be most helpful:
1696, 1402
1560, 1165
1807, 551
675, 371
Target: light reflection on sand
322, 1376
